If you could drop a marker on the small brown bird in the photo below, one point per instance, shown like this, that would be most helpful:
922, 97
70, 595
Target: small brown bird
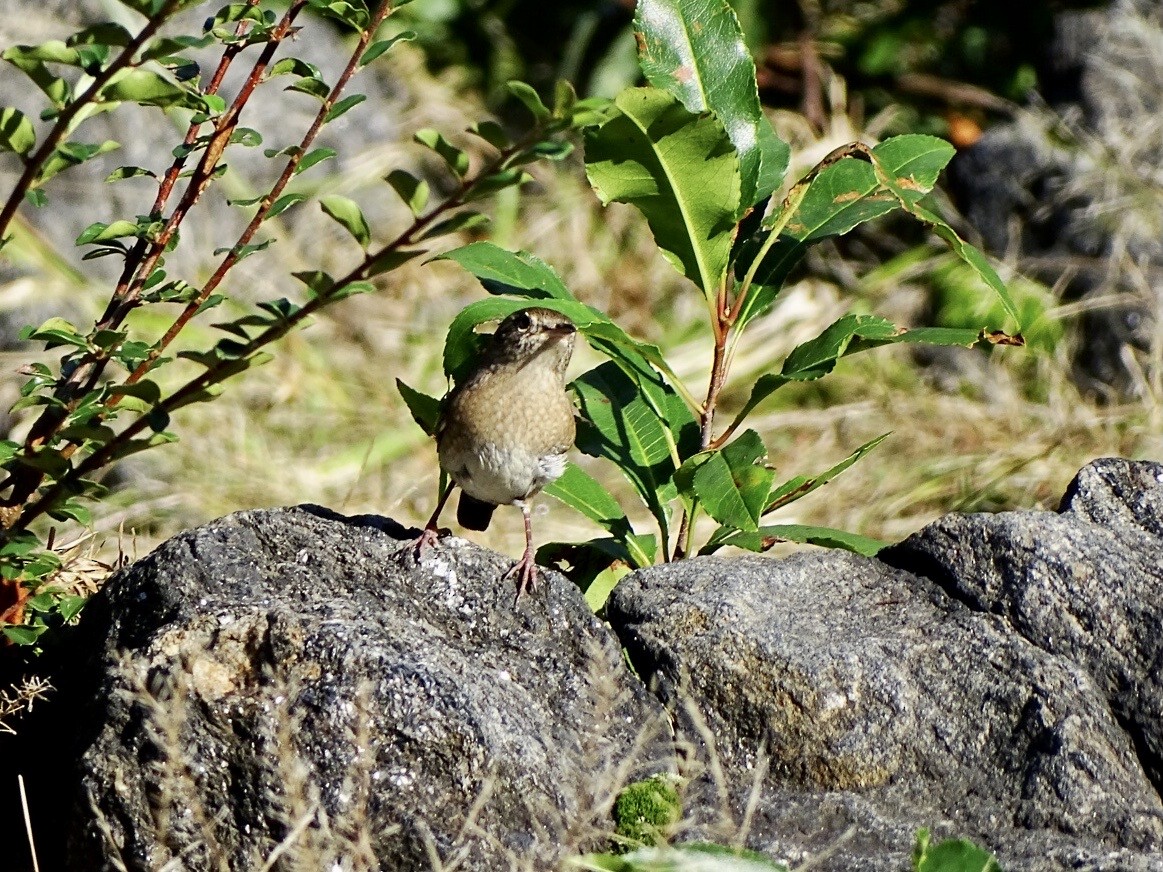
504, 430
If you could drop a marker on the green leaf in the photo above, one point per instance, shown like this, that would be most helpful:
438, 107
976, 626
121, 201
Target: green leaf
291, 66
318, 282
492, 133
285, 202
353, 14
694, 49
817, 357
70, 154
972, 256
579, 490
55, 88
347, 213
768, 536
313, 157
105, 33
22, 635
680, 170
16, 132
390, 259
732, 484
349, 102
619, 425
801, 486
456, 159
413, 191
530, 98
150, 89
425, 409
100, 232
246, 136
487, 186
955, 855
378, 48
842, 196
129, 173
317, 88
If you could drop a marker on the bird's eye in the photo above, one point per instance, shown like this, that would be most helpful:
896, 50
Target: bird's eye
522, 321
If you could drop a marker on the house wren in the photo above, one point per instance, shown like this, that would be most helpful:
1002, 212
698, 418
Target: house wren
504, 430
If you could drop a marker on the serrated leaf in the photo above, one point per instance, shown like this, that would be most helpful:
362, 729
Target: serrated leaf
347, 213
16, 132
694, 49
841, 197
425, 409
680, 170
412, 190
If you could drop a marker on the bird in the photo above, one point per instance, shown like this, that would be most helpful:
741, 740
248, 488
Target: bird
505, 429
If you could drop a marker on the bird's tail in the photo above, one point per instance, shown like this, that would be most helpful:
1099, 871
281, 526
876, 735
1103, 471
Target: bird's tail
473, 514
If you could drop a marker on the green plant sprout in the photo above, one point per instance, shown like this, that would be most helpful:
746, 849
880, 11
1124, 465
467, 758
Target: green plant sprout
694, 153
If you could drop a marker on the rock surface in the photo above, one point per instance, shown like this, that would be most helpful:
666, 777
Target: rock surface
289, 669
291, 680
1011, 697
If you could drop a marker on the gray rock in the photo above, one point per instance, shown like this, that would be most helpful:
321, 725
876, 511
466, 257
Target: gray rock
884, 704
295, 671
1085, 585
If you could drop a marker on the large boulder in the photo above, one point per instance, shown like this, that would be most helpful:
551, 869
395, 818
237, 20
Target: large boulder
292, 681
1011, 697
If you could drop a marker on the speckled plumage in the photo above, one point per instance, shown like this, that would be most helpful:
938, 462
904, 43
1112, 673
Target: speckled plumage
504, 431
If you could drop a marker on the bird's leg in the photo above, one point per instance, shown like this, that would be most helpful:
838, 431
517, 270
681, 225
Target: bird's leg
526, 568
431, 533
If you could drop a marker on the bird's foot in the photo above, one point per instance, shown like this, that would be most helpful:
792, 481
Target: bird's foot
526, 573
428, 538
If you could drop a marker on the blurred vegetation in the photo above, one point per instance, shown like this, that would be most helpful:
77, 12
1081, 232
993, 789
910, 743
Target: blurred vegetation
926, 58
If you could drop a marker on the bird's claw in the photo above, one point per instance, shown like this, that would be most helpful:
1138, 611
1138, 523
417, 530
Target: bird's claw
427, 539
525, 570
